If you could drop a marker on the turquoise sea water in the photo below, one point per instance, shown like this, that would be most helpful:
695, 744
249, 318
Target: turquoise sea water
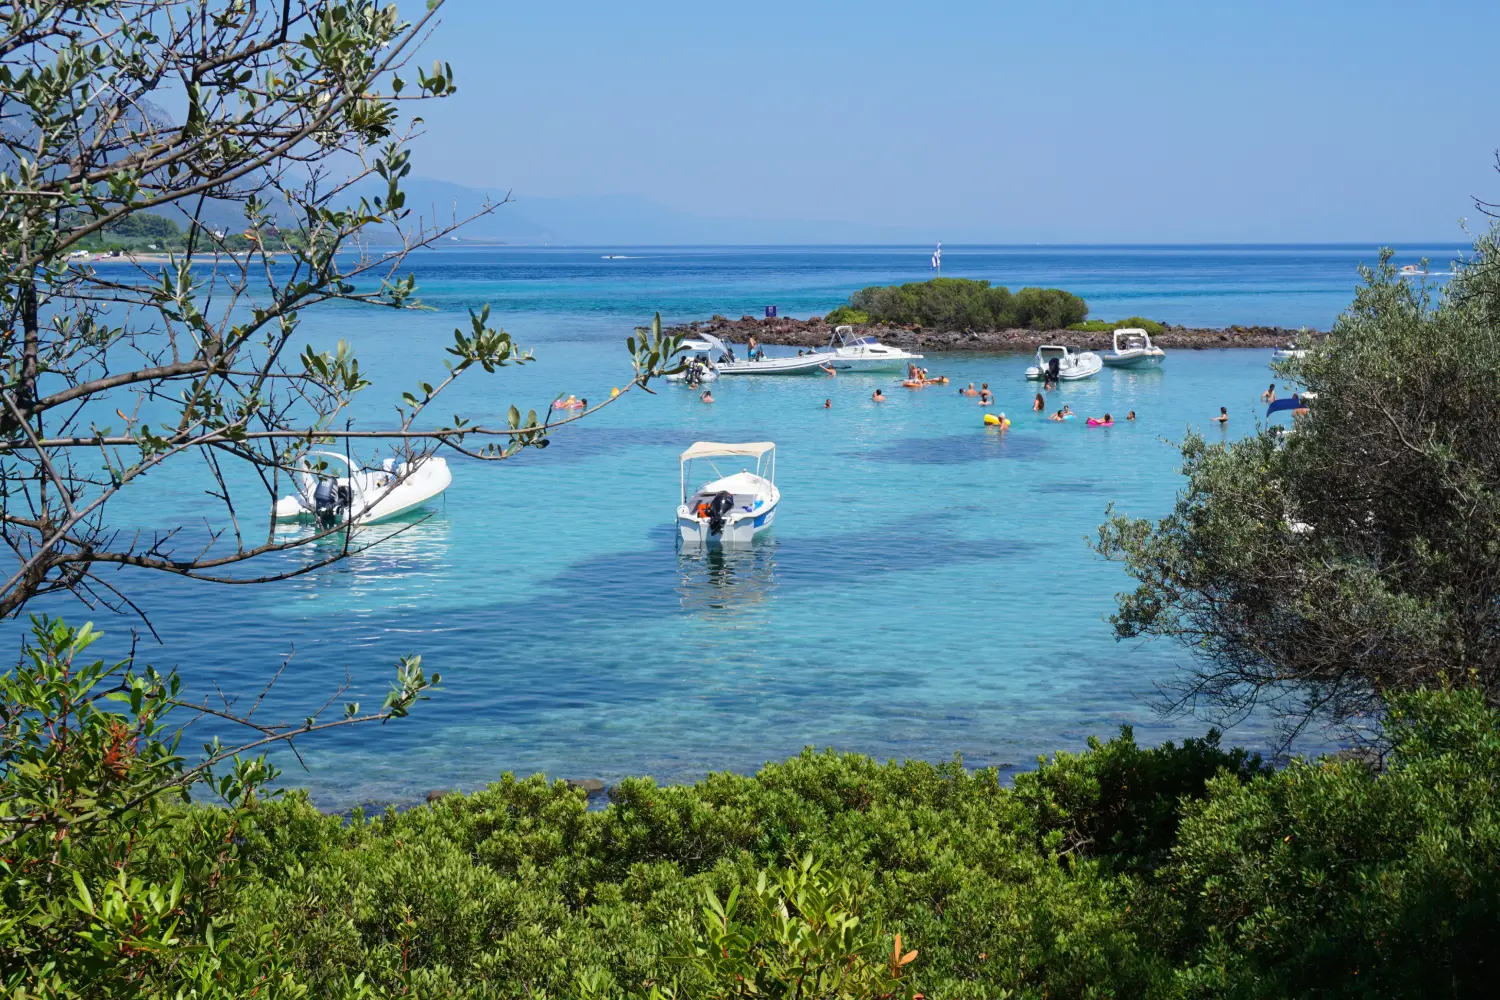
926, 591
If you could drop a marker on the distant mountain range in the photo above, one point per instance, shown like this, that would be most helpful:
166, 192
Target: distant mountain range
629, 220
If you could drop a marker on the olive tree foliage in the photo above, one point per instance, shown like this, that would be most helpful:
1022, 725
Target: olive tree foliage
1322, 570
294, 116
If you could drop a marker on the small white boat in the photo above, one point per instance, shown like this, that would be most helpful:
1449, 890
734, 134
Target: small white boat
804, 364
698, 370
1409, 270
1063, 364
733, 509
363, 496
1133, 349
866, 354
1288, 353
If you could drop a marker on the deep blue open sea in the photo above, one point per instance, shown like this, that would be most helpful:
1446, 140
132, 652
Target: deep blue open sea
927, 589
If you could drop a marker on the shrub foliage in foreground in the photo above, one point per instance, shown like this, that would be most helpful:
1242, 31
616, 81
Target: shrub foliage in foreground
1180, 871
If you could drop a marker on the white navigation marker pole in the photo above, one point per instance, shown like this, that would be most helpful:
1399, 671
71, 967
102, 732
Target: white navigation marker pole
937, 259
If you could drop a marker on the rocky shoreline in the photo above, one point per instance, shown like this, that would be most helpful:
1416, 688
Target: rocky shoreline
814, 332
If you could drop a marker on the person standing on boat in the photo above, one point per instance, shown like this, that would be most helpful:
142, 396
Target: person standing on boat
753, 349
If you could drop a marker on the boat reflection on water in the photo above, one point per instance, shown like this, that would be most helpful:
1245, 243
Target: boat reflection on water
726, 581
406, 547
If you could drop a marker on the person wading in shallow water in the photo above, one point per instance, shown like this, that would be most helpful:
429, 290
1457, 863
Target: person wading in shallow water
1223, 417
827, 404
707, 397
1039, 404
879, 396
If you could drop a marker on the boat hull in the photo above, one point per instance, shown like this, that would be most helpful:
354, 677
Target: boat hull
859, 361
740, 528
1134, 361
808, 364
1067, 374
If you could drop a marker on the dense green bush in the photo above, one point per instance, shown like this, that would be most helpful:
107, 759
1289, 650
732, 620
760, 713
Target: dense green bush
1174, 872
1151, 326
964, 304
846, 315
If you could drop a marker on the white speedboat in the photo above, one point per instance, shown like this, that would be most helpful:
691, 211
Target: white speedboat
866, 354
363, 496
1063, 364
697, 370
1133, 349
801, 364
1288, 353
732, 509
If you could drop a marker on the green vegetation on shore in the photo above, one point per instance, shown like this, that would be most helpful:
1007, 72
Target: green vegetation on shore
147, 232
1175, 872
961, 304
1151, 326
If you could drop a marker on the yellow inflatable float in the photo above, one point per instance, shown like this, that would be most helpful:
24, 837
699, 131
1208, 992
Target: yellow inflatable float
996, 420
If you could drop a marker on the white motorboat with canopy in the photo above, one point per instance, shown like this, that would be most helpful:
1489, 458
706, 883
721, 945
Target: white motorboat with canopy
1062, 364
363, 496
1133, 349
732, 509
866, 354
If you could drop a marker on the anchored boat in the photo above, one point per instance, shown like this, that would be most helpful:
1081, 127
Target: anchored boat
866, 354
361, 496
1133, 349
1062, 364
732, 509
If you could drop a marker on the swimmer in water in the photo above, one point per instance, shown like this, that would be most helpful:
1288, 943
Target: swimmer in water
879, 396
1130, 415
707, 397
970, 391
1067, 412
1269, 396
1039, 404
985, 396
1057, 416
1223, 417
827, 404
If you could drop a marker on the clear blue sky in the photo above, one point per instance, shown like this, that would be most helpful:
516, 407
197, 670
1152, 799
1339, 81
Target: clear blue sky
1055, 122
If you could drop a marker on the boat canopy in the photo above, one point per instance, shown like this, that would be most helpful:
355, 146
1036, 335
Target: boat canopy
715, 449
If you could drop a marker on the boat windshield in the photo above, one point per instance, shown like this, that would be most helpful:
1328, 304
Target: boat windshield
1048, 353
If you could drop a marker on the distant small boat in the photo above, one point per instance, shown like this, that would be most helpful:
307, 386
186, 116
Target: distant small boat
1133, 349
1407, 270
1063, 364
1291, 352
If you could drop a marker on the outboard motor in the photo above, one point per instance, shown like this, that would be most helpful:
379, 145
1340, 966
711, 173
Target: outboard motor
718, 507
330, 500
